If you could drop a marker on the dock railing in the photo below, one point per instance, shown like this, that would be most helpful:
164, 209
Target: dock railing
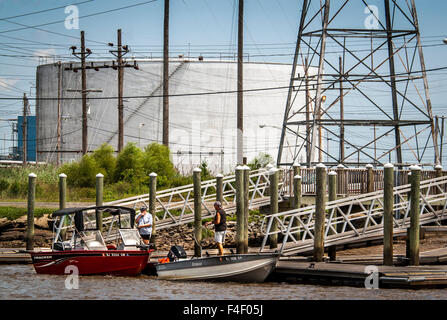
356, 217
350, 181
175, 206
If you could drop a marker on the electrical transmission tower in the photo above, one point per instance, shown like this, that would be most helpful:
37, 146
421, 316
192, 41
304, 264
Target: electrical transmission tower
362, 94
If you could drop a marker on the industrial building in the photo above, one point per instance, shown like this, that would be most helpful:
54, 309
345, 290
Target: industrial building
202, 109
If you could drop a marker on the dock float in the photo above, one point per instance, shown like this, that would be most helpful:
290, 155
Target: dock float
329, 273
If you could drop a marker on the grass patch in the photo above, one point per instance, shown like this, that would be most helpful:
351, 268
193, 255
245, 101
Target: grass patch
13, 213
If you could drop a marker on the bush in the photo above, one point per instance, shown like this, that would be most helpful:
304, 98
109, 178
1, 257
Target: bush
88, 169
4, 184
12, 213
18, 189
129, 165
261, 161
156, 159
105, 161
205, 174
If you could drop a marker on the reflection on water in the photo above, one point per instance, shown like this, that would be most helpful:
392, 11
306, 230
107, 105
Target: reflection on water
21, 282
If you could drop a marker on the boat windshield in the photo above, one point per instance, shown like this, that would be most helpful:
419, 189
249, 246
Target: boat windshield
90, 240
130, 237
125, 221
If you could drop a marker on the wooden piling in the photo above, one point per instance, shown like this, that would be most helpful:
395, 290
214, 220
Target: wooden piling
246, 205
438, 171
30, 214
332, 192
438, 174
240, 202
197, 211
219, 188
296, 193
332, 195
62, 191
152, 202
99, 199
341, 181
296, 170
63, 198
414, 216
369, 178
274, 177
320, 212
388, 202
296, 198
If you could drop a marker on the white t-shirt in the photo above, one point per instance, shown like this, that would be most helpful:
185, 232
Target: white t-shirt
147, 218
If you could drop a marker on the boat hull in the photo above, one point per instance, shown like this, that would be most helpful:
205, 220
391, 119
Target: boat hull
237, 267
91, 262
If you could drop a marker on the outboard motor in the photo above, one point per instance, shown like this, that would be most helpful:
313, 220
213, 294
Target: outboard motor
176, 253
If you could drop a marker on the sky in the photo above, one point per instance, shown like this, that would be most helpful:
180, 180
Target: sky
197, 27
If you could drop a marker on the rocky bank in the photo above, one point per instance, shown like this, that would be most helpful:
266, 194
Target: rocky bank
12, 235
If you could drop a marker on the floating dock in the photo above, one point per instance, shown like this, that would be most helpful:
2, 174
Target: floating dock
297, 270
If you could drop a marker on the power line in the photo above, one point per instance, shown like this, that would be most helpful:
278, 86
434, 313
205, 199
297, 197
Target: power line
60, 21
46, 10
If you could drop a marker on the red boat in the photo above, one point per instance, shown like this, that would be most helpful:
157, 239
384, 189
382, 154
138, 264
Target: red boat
122, 252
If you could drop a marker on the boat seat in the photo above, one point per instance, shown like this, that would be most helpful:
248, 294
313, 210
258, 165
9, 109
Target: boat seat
62, 246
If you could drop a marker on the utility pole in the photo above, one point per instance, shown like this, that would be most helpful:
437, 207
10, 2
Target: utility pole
24, 129
82, 55
240, 87
120, 95
59, 111
166, 76
119, 53
84, 96
342, 127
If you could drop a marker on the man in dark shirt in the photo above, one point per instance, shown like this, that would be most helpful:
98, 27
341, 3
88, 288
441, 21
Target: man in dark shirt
220, 226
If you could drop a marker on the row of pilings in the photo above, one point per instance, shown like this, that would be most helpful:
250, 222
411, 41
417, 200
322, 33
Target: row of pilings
242, 206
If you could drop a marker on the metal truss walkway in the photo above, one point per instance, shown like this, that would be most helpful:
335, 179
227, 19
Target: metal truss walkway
176, 206
355, 218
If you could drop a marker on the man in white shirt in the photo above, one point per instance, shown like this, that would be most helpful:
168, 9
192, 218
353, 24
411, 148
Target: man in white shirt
144, 225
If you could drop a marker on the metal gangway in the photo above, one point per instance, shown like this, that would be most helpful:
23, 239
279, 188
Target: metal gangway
175, 206
355, 218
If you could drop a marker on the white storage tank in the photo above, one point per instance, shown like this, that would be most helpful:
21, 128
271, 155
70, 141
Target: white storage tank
202, 116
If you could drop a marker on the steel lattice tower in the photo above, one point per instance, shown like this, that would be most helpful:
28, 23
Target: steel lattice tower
368, 73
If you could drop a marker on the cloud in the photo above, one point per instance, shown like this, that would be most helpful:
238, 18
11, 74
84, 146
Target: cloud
8, 84
44, 54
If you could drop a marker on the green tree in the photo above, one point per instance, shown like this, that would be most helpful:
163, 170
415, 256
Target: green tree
129, 165
205, 174
157, 159
88, 169
106, 161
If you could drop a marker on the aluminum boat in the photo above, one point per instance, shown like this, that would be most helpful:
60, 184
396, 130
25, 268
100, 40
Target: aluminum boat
234, 267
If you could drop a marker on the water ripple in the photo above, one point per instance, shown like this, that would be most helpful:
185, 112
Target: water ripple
21, 282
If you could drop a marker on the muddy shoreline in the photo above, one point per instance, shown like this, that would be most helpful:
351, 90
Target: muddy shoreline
12, 235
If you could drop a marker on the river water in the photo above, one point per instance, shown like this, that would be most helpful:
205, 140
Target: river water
22, 282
